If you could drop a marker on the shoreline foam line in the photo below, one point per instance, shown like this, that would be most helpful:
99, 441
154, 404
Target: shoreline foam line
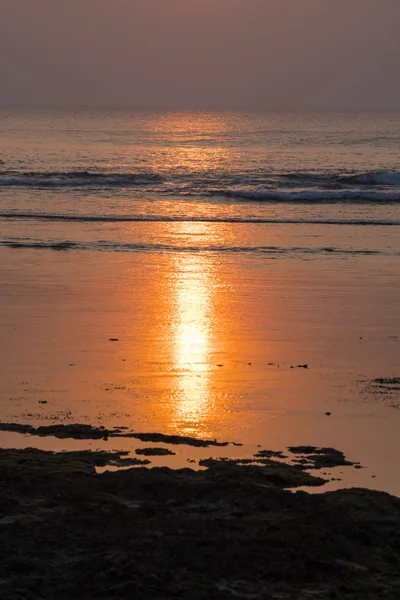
185, 219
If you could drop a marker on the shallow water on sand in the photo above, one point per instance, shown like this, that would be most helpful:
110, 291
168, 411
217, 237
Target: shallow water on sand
205, 346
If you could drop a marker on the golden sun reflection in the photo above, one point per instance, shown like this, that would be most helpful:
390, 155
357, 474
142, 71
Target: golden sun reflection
192, 142
192, 339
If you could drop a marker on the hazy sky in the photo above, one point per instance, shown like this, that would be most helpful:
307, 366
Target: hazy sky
201, 53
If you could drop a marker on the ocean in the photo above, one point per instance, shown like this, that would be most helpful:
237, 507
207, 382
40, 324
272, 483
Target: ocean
221, 252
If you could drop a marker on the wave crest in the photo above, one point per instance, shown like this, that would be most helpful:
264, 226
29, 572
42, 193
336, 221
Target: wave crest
104, 246
60, 179
314, 196
184, 219
312, 187
387, 178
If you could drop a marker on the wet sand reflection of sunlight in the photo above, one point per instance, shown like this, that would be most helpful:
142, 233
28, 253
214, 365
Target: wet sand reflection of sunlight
192, 331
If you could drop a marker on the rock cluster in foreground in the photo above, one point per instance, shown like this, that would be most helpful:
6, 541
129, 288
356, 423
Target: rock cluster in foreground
231, 531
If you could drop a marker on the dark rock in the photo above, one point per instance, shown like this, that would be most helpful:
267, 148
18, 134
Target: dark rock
128, 462
88, 432
274, 473
154, 451
270, 454
33, 462
171, 439
228, 531
17, 428
319, 458
77, 431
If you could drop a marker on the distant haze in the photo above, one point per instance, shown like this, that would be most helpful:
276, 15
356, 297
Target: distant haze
340, 54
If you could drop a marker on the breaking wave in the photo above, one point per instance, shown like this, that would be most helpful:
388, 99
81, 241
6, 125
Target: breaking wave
314, 196
75, 179
371, 178
386, 178
257, 185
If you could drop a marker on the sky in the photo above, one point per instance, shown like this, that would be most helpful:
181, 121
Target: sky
258, 54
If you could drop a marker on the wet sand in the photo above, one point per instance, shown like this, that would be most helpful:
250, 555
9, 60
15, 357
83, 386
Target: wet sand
194, 345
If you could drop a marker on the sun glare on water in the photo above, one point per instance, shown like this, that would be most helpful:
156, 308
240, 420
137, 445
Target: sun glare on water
192, 343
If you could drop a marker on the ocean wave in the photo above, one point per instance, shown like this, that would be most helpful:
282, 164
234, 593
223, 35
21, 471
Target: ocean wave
60, 179
374, 186
197, 219
377, 178
68, 245
349, 181
104, 246
313, 196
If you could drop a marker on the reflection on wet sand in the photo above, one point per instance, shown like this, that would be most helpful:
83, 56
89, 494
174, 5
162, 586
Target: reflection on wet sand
177, 315
192, 333
186, 330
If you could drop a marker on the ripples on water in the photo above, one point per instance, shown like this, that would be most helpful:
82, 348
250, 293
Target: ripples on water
240, 166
